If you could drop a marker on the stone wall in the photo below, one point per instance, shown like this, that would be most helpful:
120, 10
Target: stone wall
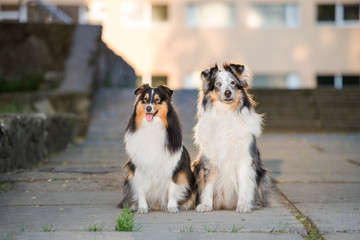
27, 139
86, 63
33, 54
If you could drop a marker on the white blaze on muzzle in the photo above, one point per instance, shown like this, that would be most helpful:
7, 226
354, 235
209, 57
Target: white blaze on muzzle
149, 111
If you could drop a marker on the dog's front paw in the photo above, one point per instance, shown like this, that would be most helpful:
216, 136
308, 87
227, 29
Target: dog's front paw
172, 210
244, 208
203, 208
142, 210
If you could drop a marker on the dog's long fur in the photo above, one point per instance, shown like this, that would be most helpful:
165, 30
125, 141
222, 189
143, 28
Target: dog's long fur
159, 173
229, 172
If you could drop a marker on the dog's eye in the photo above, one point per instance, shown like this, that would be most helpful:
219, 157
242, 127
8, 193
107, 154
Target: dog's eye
157, 100
218, 84
232, 82
145, 99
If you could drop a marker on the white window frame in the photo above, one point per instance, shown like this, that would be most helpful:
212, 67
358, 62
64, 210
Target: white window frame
339, 17
291, 80
146, 21
288, 23
338, 80
191, 11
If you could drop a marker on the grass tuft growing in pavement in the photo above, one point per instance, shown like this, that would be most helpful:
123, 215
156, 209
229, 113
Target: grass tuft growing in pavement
125, 222
313, 233
187, 229
22, 228
94, 228
279, 228
209, 230
47, 228
236, 228
5, 187
6, 236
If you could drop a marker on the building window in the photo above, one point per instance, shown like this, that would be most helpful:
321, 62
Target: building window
288, 81
158, 80
192, 80
351, 12
325, 81
9, 12
338, 81
338, 14
326, 13
135, 14
154, 80
273, 15
98, 12
159, 13
210, 15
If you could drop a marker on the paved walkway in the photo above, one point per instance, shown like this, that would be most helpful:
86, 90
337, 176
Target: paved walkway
317, 179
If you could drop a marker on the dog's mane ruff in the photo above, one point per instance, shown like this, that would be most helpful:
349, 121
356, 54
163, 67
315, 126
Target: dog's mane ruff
253, 120
174, 132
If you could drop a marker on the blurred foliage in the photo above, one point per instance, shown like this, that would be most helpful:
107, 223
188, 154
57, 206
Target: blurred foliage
13, 108
21, 83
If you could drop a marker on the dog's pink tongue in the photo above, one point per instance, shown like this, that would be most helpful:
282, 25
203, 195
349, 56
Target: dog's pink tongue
149, 117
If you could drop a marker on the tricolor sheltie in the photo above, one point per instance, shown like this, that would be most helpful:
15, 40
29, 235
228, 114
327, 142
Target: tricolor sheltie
159, 172
229, 172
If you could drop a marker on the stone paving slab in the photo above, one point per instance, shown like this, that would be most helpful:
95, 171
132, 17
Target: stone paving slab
60, 198
154, 236
333, 217
86, 185
347, 236
316, 177
76, 218
321, 192
263, 220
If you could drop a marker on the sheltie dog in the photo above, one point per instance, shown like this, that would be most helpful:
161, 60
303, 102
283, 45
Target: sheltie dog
229, 172
159, 172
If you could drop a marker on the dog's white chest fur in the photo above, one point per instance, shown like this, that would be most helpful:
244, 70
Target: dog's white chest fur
225, 134
154, 163
147, 149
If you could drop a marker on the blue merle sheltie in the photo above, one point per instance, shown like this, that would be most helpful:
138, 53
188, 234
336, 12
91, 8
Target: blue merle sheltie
159, 172
229, 172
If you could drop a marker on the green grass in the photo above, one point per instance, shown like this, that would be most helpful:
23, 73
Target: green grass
6, 236
5, 187
47, 228
21, 83
313, 233
94, 228
13, 108
236, 228
187, 229
279, 228
125, 222
209, 230
22, 228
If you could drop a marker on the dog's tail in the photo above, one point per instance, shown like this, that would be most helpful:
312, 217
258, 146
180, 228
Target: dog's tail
263, 189
190, 202
127, 200
262, 176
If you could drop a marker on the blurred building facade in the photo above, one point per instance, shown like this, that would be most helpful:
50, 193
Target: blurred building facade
287, 44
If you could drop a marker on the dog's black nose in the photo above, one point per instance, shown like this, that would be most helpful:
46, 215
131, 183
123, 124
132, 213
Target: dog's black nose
148, 108
227, 93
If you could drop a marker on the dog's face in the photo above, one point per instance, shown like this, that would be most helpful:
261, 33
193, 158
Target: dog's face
152, 102
225, 86
224, 83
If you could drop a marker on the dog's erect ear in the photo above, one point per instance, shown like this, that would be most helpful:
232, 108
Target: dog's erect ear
167, 90
208, 78
241, 72
141, 88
